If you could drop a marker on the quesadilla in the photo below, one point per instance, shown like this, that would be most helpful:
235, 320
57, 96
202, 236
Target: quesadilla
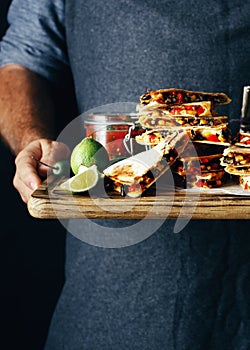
237, 157
204, 108
137, 173
203, 171
237, 171
213, 135
236, 161
165, 97
159, 119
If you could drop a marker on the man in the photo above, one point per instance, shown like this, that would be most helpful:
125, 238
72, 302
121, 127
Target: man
31, 259
185, 291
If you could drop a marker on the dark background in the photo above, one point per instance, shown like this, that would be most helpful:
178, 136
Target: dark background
31, 260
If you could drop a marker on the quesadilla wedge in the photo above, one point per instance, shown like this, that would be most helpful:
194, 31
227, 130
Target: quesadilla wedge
237, 157
137, 173
211, 180
214, 135
159, 119
166, 97
203, 171
238, 171
203, 108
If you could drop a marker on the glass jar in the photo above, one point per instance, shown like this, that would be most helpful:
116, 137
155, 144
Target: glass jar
115, 131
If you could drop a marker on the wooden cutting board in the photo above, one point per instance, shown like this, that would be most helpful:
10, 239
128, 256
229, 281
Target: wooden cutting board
51, 202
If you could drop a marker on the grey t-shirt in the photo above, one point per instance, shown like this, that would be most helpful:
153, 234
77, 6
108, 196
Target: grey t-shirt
171, 291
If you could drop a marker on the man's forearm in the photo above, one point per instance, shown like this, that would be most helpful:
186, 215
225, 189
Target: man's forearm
26, 107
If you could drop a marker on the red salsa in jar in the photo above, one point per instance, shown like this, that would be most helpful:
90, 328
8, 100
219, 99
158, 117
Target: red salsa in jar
110, 130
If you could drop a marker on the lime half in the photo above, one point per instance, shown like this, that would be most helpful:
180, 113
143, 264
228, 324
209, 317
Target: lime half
86, 179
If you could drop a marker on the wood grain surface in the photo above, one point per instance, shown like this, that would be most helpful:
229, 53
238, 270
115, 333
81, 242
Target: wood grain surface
51, 202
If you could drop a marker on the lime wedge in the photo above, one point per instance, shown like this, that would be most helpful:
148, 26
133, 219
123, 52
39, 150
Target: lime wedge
86, 179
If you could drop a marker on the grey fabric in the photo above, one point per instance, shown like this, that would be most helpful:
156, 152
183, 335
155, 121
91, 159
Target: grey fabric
171, 291
36, 38
128, 46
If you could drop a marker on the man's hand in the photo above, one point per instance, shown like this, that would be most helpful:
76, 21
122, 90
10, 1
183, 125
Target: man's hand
29, 173
26, 125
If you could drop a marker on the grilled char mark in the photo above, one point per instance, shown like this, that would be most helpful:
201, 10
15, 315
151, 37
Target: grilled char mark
146, 96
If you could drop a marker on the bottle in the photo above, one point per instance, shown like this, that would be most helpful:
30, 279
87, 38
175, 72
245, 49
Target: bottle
243, 136
245, 111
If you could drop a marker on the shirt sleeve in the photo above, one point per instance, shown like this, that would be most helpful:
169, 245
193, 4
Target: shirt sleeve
35, 38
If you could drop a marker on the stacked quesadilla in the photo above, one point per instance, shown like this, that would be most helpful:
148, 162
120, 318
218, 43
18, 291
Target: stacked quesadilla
236, 158
193, 110
162, 111
241, 163
202, 171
